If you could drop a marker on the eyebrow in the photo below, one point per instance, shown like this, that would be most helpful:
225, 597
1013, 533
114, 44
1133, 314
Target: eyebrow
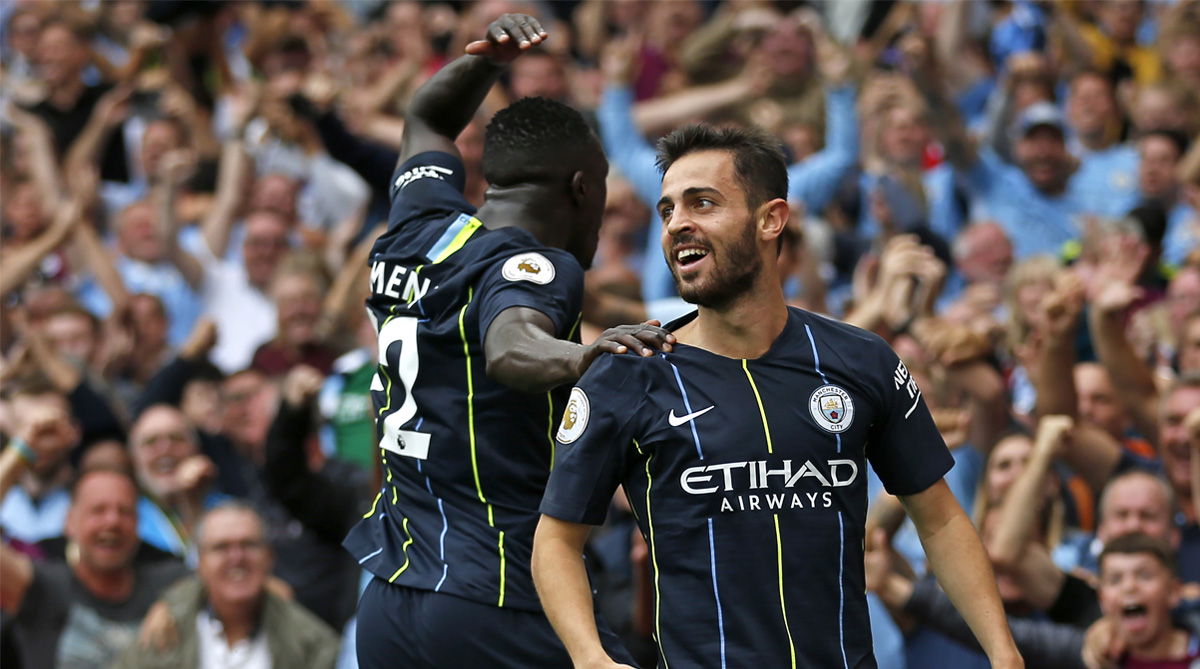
688, 192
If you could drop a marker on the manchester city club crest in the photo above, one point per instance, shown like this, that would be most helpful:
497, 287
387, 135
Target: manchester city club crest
832, 408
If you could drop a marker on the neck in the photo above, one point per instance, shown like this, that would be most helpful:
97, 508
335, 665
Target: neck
1171, 644
67, 93
1095, 141
1058, 187
36, 486
510, 206
239, 622
111, 585
744, 329
1168, 198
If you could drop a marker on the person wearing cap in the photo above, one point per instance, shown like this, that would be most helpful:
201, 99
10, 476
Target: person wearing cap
1038, 201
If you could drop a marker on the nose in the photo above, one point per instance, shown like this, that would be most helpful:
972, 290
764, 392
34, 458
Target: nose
679, 222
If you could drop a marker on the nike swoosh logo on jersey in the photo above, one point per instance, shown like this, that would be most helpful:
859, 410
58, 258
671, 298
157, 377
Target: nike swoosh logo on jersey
676, 421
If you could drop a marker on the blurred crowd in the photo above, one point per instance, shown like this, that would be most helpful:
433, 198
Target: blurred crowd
1008, 192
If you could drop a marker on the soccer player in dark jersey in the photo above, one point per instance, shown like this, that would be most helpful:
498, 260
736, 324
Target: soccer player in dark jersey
478, 315
744, 450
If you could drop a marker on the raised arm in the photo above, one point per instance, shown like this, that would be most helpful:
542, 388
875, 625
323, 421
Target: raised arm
1131, 377
43, 164
327, 504
444, 105
233, 172
174, 170
1023, 503
814, 181
963, 353
352, 277
1055, 378
945, 121
957, 557
662, 114
22, 261
109, 113
623, 142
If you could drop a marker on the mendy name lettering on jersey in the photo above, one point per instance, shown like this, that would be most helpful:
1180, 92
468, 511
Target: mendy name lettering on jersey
386, 278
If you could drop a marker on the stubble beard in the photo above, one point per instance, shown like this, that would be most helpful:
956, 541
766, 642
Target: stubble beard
730, 277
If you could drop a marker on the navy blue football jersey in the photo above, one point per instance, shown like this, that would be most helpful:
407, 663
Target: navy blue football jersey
465, 459
748, 480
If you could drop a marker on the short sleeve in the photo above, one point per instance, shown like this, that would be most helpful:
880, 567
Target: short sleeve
548, 280
427, 184
595, 441
46, 599
904, 445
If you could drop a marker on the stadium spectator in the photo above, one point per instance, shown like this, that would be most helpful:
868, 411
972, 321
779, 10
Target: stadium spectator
83, 613
174, 475
35, 470
227, 615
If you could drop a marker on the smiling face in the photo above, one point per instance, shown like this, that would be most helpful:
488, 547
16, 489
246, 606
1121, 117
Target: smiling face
138, 236
1005, 465
234, 558
708, 234
1156, 171
298, 303
1098, 401
103, 520
1091, 107
1043, 156
1173, 437
1138, 592
161, 440
903, 136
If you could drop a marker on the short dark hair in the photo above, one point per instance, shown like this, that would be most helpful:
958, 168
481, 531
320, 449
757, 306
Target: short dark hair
533, 137
1151, 220
32, 385
758, 158
1136, 543
1177, 138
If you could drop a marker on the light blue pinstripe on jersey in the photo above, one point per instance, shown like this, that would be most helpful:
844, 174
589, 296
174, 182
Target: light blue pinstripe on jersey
687, 406
712, 550
841, 527
712, 560
445, 523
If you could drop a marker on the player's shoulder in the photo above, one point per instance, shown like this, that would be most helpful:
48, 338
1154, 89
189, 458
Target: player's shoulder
514, 254
853, 338
842, 344
621, 370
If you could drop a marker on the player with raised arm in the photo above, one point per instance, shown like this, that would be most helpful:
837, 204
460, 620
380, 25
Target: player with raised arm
478, 315
744, 450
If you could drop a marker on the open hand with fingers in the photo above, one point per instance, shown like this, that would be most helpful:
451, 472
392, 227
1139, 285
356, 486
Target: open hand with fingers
508, 37
644, 339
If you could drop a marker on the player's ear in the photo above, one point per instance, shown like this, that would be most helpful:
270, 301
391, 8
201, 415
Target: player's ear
772, 218
578, 189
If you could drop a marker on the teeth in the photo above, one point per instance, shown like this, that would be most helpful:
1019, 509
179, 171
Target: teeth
1133, 609
688, 254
